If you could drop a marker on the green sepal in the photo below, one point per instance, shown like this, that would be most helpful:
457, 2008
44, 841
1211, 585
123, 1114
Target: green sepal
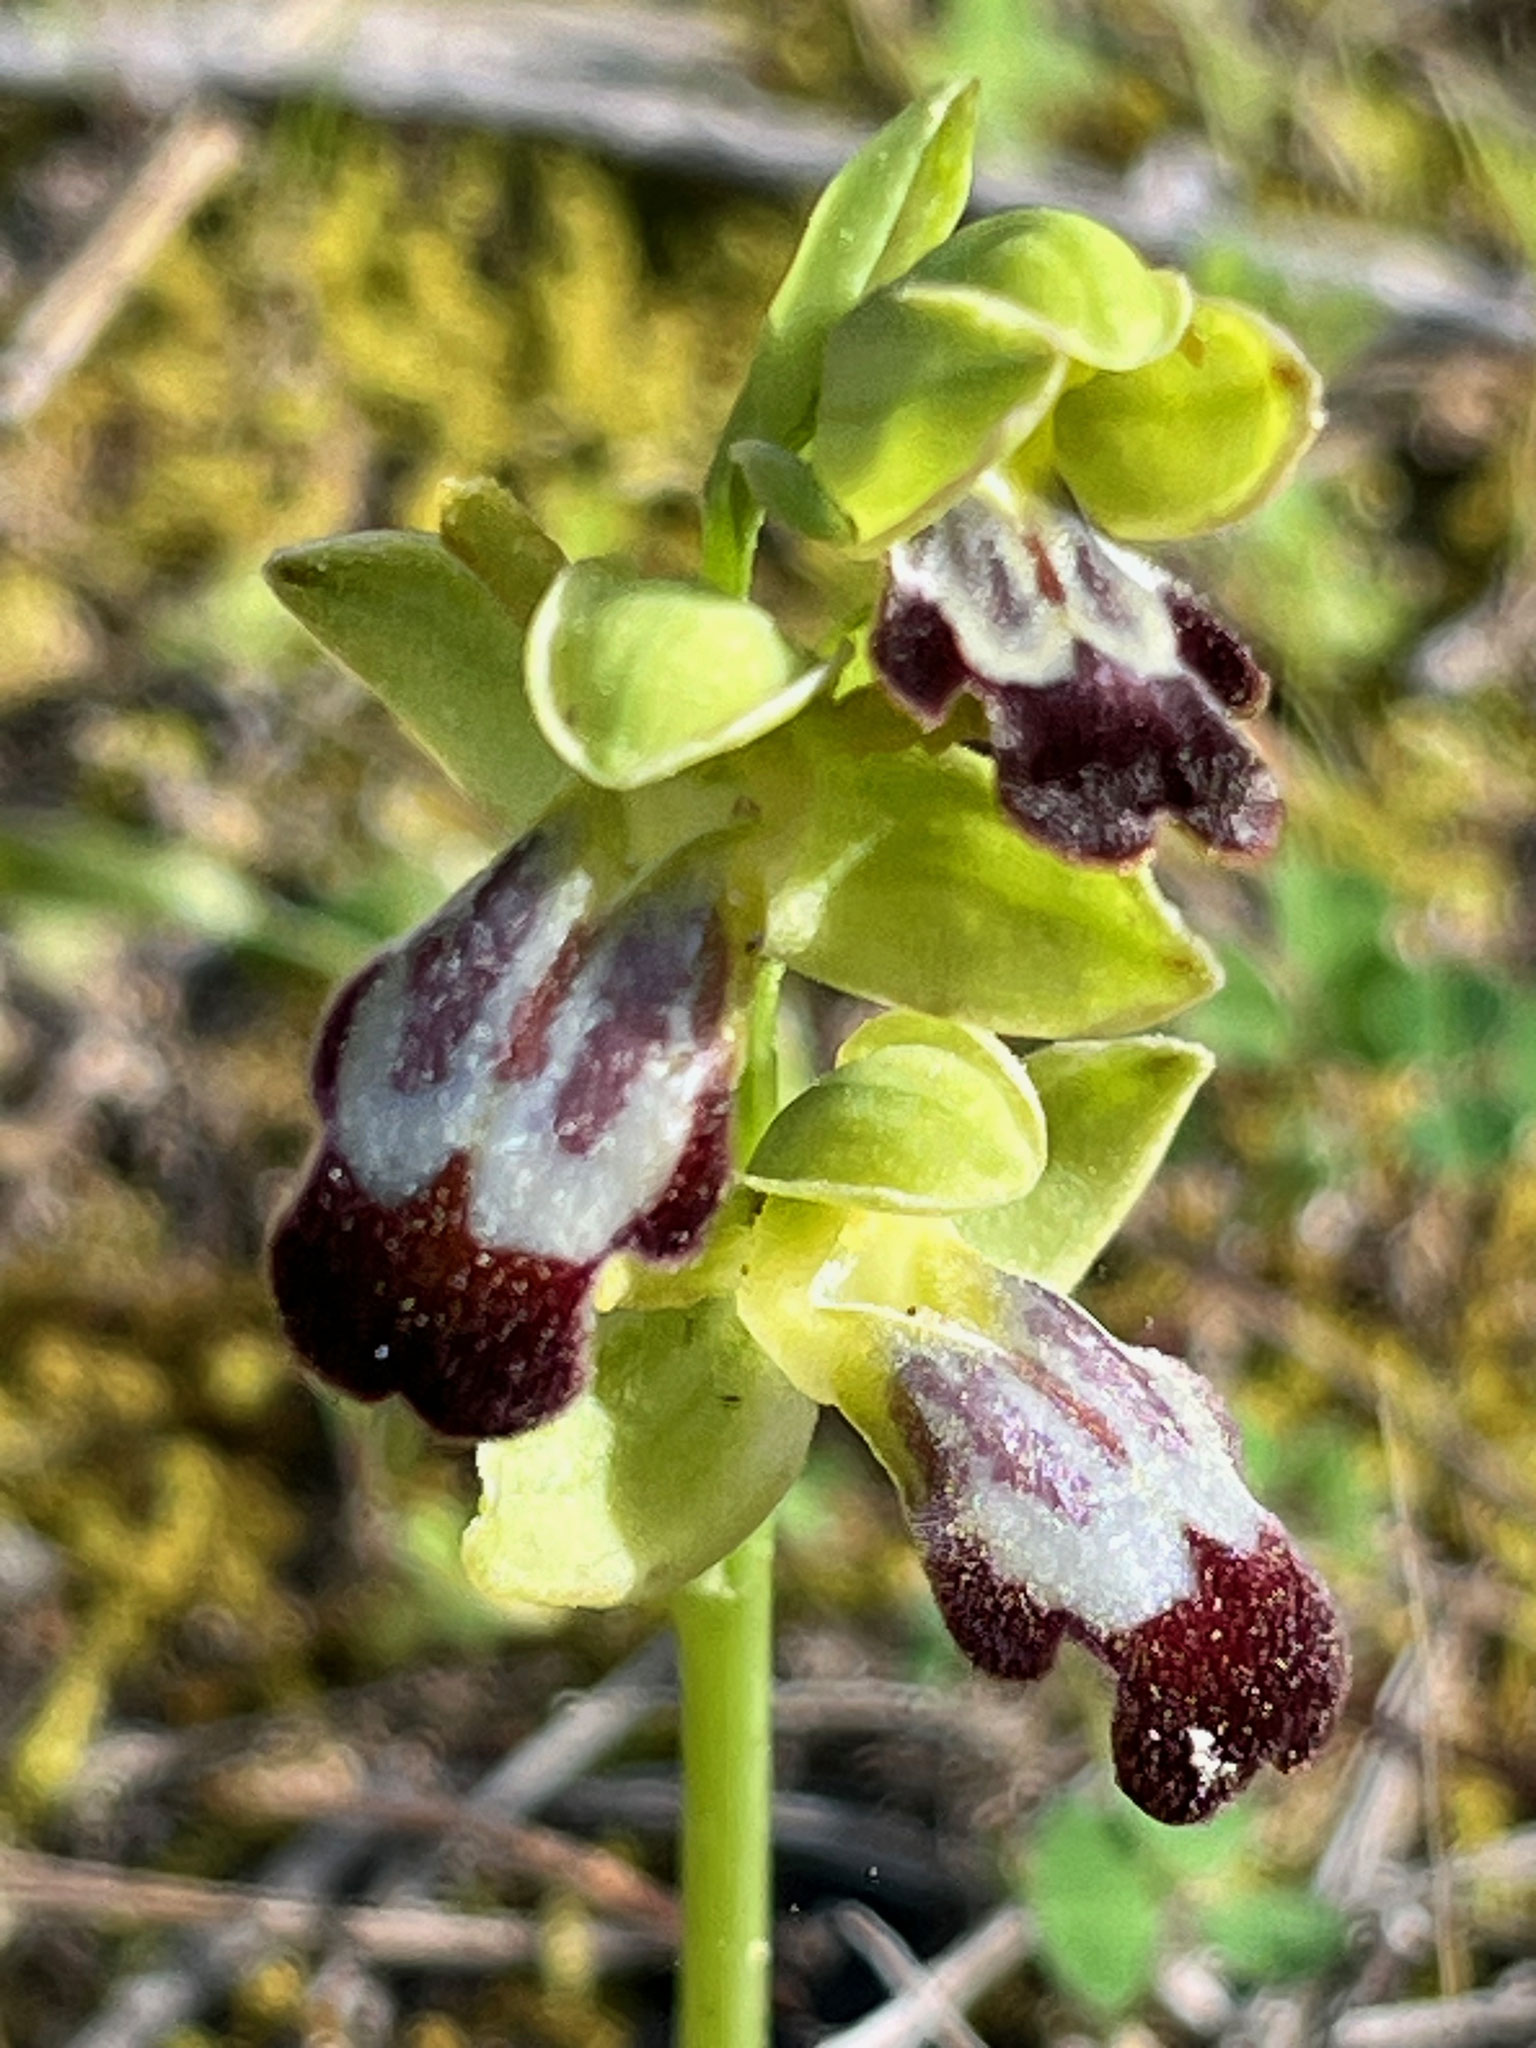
924, 386
918, 1115
496, 535
906, 885
788, 490
891, 203
433, 641
632, 679
1086, 291
1111, 1110
1195, 440
688, 1437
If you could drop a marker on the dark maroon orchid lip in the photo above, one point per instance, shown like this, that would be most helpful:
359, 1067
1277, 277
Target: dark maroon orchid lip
1109, 689
1071, 1488
522, 1087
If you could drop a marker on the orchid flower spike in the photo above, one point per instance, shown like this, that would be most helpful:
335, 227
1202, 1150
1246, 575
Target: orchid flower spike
560, 1204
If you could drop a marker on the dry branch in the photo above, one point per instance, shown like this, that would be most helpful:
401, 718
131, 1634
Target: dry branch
402, 1937
650, 85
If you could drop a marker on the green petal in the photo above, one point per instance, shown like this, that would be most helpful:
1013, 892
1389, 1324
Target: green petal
1086, 292
890, 204
1111, 1111
909, 887
429, 638
918, 1112
925, 386
1197, 439
632, 679
687, 1439
494, 534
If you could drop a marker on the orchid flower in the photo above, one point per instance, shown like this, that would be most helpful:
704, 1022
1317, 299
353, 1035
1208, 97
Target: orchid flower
558, 1202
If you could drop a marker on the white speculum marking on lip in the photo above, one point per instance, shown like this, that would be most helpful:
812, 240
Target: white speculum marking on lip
529, 1191
1116, 1554
1109, 598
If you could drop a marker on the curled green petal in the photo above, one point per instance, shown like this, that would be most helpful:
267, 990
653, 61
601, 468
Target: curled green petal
908, 886
896, 199
436, 644
1196, 439
918, 1112
687, 1439
496, 535
1111, 1110
924, 386
633, 679
1087, 292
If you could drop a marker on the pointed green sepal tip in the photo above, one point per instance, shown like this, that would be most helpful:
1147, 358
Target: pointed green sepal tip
1085, 291
1197, 439
1111, 1109
924, 386
439, 648
918, 1116
495, 534
633, 679
688, 1438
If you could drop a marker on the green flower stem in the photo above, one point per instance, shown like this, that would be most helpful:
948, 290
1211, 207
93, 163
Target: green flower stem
724, 1626
724, 1623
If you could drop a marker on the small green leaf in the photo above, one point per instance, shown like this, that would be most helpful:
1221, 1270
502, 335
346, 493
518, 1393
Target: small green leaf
1274, 1933
1111, 1110
891, 203
1086, 292
1096, 1904
1197, 439
919, 1113
908, 886
494, 534
925, 386
429, 638
686, 1440
632, 679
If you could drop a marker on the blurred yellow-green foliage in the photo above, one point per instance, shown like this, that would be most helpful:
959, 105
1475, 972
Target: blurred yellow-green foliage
201, 827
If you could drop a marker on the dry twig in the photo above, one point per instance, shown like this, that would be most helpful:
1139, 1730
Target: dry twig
956, 1979
403, 1937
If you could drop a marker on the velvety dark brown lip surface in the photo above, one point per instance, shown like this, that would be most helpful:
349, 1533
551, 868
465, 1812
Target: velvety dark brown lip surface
410, 1296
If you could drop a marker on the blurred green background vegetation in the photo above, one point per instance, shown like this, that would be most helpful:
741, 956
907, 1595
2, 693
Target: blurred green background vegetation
202, 826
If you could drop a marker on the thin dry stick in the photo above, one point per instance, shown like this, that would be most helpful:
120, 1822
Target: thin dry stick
956, 1979
1374, 1823
199, 149
1354, 1365
1449, 1955
642, 85
1504, 2017
149, 2006
1377, 1820
404, 1937
60, 327
898, 1969
603, 1880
